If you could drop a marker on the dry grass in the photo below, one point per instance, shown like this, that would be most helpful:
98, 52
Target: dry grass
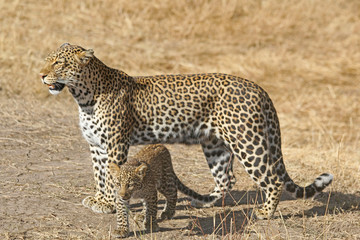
306, 54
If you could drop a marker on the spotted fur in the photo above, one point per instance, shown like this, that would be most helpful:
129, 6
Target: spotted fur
229, 116
149, 172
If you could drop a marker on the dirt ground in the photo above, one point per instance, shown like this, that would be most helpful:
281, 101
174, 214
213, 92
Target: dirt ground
46, 172
306, 54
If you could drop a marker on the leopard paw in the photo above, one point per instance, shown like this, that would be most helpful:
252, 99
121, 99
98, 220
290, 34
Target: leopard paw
259, 213
121, 233
167, 215
98, 205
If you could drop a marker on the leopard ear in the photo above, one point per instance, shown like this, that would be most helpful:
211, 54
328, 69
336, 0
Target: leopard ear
64, 45
141, 170
84, 57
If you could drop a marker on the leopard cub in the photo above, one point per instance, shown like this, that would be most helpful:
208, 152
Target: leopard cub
141, 177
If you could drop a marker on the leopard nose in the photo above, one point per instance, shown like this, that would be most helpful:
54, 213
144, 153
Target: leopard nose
43, 76
125, 196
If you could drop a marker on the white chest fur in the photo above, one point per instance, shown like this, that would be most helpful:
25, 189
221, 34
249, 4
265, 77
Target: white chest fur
91, 130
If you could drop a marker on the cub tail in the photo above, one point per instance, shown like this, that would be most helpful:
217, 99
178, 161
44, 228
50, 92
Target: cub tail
198, 199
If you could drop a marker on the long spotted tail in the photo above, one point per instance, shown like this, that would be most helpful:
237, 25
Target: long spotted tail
309, 191
200, 199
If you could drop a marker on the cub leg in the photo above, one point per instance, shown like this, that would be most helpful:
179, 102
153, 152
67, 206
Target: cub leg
140, 217
169, 190
122, 218
151, 211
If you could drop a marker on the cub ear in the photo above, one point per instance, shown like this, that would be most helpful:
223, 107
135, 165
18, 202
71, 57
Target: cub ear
114, 170
141, 170
84, 57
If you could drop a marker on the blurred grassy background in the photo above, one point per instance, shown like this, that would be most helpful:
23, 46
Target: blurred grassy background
275, 43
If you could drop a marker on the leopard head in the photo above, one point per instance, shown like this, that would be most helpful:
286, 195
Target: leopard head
128, 179
64, 65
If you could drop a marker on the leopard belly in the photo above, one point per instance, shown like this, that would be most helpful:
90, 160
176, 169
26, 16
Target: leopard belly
186, 134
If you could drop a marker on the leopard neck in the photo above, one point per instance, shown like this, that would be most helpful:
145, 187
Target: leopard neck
98, 83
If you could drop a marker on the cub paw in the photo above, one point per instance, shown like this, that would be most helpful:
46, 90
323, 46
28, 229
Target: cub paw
152, 227
98, 205
139, 218
121, 233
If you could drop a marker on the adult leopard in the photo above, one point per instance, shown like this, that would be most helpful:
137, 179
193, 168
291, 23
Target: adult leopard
229, 116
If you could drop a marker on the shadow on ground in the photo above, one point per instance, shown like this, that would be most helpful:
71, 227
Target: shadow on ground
228, 219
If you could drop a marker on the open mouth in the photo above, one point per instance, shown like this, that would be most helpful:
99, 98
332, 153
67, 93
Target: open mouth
55, 88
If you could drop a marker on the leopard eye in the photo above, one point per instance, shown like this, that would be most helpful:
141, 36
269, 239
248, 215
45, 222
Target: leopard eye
59, 61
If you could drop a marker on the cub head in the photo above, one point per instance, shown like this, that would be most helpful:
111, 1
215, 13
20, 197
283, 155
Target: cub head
127, 179
64, 65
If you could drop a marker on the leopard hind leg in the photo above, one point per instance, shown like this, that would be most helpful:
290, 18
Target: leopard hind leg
220, 162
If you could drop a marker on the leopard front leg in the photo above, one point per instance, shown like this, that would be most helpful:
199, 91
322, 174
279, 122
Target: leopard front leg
103, 201
119, 129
